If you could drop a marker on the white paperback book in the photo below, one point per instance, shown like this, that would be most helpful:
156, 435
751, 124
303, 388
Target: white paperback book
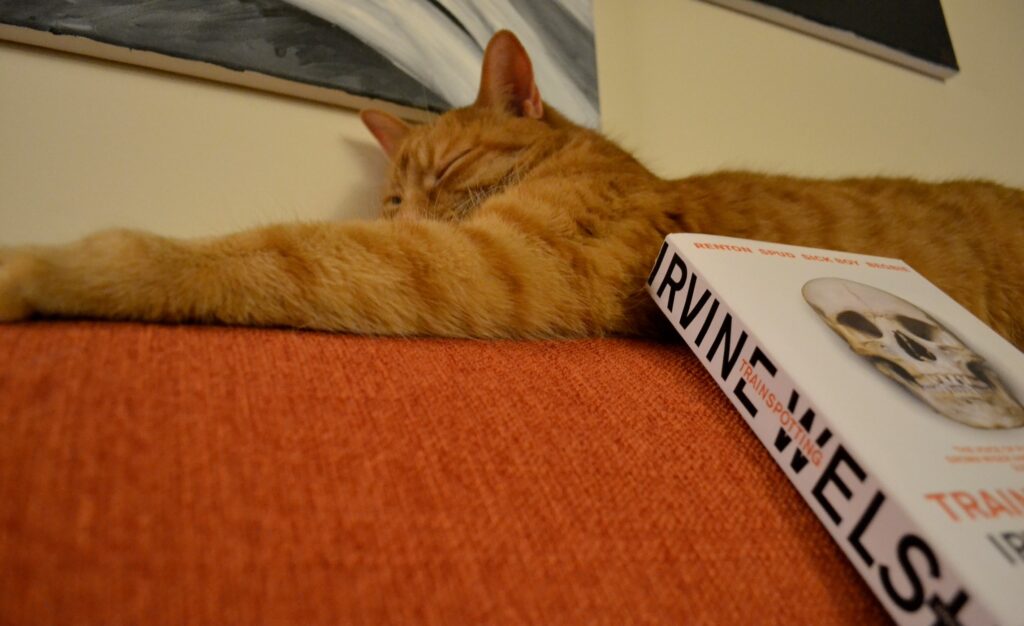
893, 411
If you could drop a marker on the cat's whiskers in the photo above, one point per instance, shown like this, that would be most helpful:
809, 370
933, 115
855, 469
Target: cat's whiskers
432, 204
464, 205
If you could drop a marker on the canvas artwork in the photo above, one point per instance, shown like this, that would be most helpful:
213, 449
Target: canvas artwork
911, 33
408, 56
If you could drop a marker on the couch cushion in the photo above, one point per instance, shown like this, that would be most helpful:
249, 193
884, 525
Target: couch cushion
153, 474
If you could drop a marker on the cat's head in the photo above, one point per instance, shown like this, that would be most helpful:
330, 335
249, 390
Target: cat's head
444, 169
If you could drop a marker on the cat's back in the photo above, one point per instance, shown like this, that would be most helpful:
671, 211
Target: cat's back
856, 212
966, 236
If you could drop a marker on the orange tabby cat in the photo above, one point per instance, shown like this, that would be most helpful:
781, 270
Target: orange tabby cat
504, 219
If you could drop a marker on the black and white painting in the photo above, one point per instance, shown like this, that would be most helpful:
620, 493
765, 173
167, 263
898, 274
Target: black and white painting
414, 55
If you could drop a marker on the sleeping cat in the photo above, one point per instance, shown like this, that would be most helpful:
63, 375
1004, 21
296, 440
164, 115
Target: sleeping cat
504, 219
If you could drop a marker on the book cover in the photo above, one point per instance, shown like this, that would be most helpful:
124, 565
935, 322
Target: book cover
894, 412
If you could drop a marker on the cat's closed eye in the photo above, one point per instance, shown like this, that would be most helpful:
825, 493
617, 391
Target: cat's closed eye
448, 167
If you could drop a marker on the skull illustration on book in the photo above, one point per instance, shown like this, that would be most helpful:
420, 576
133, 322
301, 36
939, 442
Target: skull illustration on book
909, 346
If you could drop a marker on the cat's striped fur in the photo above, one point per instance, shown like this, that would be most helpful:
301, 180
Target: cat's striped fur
503, 219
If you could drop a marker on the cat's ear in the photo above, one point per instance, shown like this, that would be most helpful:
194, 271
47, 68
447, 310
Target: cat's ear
507, 78
388, 129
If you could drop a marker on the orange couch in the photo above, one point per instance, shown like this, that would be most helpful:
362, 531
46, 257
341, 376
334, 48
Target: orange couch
203, 475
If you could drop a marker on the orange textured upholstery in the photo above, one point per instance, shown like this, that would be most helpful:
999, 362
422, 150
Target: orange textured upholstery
169, 475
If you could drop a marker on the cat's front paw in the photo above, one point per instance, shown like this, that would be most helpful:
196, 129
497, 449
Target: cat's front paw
15, 268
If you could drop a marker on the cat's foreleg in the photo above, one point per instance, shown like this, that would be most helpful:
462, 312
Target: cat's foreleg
482, 280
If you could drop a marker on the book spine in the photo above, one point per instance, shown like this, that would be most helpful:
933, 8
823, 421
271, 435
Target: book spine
886, 547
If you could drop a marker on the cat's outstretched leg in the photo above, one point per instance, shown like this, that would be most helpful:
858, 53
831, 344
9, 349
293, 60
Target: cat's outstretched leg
116, 274
480, 279
14, 266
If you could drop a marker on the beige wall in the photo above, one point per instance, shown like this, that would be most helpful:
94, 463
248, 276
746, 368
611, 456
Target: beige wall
688, 86
691, 86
